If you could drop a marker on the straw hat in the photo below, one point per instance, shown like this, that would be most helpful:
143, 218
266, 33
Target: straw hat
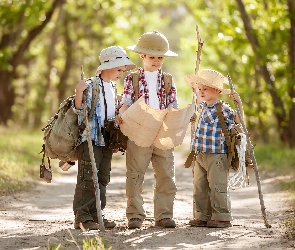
112, 57
152, 43
210, 78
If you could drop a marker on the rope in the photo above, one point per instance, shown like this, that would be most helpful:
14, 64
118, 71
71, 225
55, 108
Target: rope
238, 180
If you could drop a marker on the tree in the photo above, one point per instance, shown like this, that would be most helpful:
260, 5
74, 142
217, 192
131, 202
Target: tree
14, 45
284, 114
255, 44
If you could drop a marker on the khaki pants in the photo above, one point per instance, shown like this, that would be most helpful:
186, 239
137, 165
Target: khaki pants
84, 203
137, 162
211, 197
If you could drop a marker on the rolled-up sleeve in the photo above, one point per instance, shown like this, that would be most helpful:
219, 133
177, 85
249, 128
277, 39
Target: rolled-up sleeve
172, 97
80, 111
128, 92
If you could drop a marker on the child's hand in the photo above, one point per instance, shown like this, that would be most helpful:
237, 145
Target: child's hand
115, 150
81, 86
235, 97
193, 118
118, 119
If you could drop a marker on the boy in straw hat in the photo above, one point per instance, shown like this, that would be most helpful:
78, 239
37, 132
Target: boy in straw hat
114, 62
210, 193
152, 47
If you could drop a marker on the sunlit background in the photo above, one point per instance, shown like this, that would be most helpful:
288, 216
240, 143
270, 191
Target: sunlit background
44, 43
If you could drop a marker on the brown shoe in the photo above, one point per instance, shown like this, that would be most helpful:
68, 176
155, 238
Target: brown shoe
87, 225
197, 223
109, 224
218, 223
166, 222
134, 223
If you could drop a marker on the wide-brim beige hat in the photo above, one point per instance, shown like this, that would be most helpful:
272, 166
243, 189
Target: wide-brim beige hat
210, 78
152, 43
113, 57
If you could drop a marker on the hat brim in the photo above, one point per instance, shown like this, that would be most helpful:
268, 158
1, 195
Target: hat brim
194, 80
118, 63
152, 52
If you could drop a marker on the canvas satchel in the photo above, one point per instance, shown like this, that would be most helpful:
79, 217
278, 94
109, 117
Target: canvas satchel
62, 133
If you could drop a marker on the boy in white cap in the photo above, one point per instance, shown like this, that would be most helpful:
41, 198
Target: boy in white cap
114, 62
211, 198
152, 47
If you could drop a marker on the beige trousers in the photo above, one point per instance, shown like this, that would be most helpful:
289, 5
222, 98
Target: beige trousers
210, 195
137, 161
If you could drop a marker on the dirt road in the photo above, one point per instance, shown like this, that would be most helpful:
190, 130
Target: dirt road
43, 216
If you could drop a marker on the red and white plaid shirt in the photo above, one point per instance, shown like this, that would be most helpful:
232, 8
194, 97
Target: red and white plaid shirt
164, 100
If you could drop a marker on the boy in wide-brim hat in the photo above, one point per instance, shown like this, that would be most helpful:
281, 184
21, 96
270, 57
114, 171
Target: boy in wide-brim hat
114, 62
152, 48
211, 200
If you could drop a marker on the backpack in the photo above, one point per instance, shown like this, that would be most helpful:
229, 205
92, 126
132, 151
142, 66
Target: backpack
135, 83
235, 138
61, 134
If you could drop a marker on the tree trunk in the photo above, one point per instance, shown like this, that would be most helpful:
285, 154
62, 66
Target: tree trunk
62, 86
291, 7
284, 118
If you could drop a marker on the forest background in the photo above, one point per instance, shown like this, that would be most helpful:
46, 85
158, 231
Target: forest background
44, 43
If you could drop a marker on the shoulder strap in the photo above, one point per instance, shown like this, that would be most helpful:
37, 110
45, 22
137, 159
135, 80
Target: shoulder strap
225, 132
168, 82
95, 90
135, 84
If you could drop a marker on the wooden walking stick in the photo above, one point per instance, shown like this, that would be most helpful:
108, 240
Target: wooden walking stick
255, 167
91, 154
191, 156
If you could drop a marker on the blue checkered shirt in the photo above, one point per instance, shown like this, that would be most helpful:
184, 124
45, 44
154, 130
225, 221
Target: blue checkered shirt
208, 136
95, 122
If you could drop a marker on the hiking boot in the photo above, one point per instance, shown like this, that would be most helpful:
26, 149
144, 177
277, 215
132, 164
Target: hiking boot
218, 223
134, 223
166, 222
109, 224
197, 223
87, 225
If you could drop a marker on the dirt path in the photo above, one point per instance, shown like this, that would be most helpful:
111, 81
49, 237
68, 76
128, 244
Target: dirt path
32, 220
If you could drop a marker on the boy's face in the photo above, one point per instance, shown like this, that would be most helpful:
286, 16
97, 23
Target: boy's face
208, 94
115, 73
152, 63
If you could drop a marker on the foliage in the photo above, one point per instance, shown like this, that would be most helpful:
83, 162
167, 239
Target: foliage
275, 158
19, 159
79, 30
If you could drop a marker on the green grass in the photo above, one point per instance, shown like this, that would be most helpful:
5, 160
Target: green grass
19, 159
275, 158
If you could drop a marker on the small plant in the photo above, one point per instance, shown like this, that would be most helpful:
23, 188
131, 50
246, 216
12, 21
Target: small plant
52, 247
97, 243
290, 228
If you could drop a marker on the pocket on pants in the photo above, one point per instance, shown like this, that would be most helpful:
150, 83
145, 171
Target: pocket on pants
133, 184
221, 197
87, 180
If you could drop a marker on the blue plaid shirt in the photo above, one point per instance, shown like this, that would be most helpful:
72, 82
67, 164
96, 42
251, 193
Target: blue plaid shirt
208, 136
95, 122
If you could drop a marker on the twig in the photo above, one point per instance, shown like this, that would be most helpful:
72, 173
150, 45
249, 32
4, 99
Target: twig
200, 45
